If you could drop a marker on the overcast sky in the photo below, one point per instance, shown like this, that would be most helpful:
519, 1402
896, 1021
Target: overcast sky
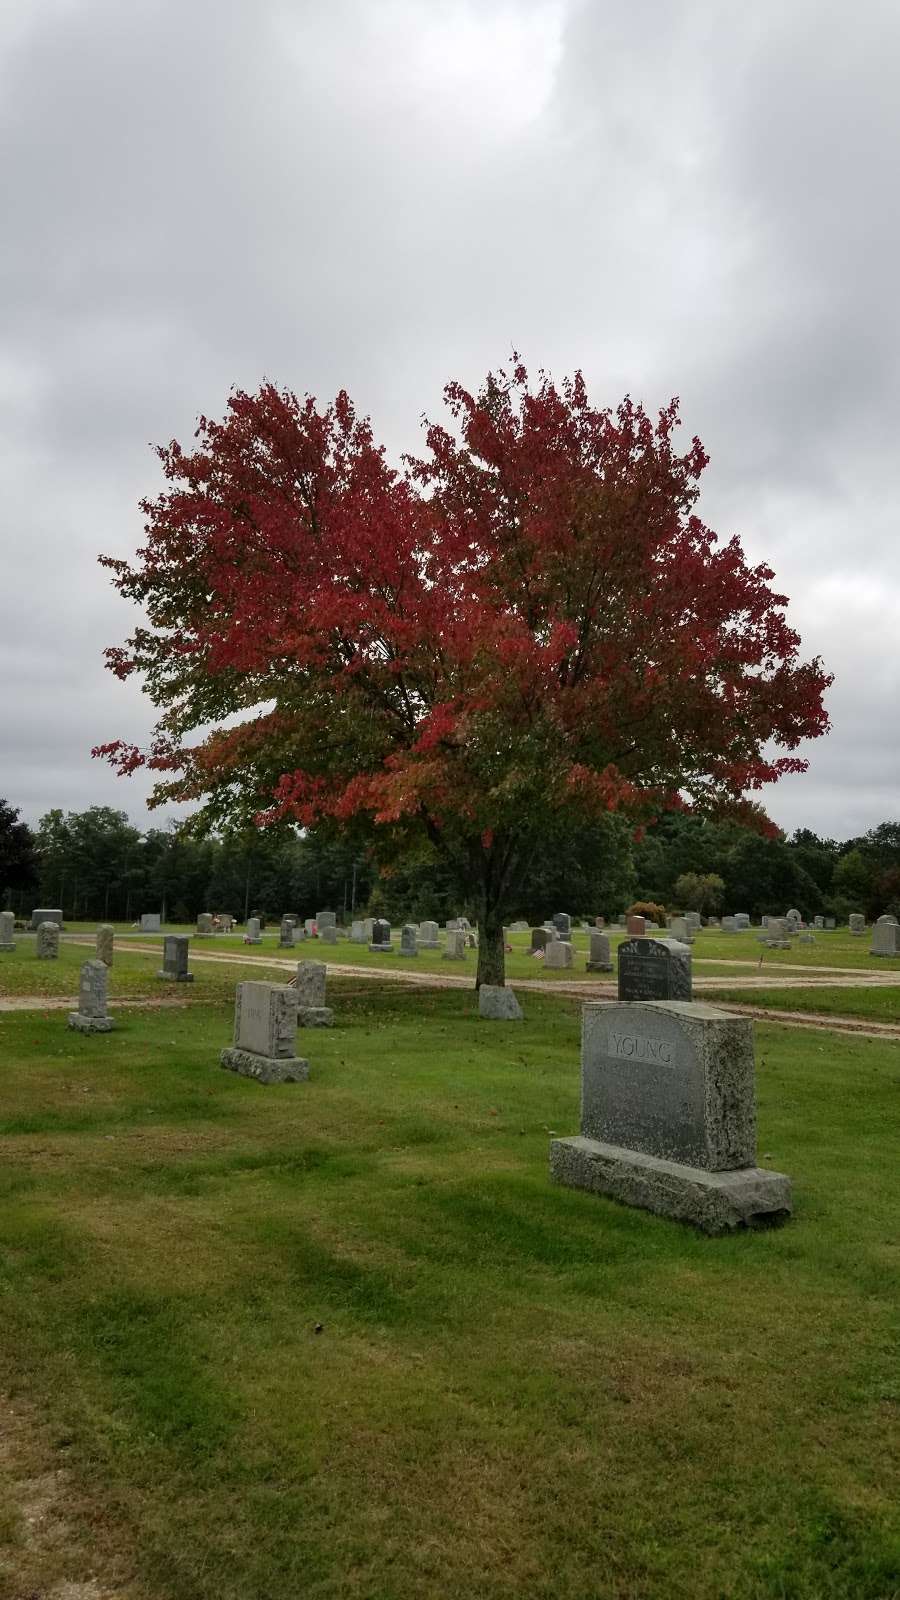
696, 198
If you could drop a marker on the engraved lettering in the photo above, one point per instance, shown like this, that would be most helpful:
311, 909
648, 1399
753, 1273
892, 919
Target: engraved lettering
632, 1047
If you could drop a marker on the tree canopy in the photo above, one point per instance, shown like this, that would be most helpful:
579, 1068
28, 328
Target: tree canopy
526, 629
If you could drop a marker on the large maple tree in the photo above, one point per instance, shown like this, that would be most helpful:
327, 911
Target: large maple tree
527, 628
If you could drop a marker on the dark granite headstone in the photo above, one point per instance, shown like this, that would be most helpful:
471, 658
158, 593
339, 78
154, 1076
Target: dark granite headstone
654, 969
540, 938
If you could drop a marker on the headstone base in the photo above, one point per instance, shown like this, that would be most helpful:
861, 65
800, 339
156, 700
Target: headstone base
498, 1004
715, 1202
83, 1024
315, 1017
176, 977
7, 947
599, 966
265, 1069
382, 949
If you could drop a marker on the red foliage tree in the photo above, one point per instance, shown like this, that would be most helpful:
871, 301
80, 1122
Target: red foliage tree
528, 627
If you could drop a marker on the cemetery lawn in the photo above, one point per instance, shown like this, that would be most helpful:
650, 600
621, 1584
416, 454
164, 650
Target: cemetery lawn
881, 1004
130, 976
343, 1338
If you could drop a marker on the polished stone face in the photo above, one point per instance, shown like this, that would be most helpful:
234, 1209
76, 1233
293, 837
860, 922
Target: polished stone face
654, 969
674, 1080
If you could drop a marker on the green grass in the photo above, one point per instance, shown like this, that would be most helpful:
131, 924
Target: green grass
870, 1004
517, 1390
131, 975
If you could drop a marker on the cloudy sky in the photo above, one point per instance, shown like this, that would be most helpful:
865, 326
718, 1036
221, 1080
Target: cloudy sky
696, 198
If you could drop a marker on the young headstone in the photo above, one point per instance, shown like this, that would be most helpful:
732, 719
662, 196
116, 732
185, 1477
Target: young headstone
205, 929
741, 921
540, 938
312, 1011
106, 935
668, 1117
428, 936
265, 1028
381, 936
654, 969
7, 929
885, 939
328, 934
358, 933
636, 927
498, 1004
729, 925
43, 915
857, 923
151, 922
253, 931
599, 956
286, 934
47, 941
558, 954
455, 948
326, 919
175, 959
562, 922
408, 944
92, 1016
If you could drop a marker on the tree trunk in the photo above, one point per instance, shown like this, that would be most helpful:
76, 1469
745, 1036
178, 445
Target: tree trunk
491, 950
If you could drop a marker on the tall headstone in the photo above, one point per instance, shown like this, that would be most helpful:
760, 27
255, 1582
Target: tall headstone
885, 939
106, 936
47, 941
265, 1028
312, 1011
599, 956
253, 935
562, 922
7, 929
151, 922
668, 1117
428, 936
540, 938
42, 914
455, 948
175, 959
636, 927
654, 969
92, 1016
408, 941
381, 936
857, 924
558, 954
496, 1003
286, 934
205, 929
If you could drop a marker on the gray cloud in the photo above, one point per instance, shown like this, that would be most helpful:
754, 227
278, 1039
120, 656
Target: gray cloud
690, 199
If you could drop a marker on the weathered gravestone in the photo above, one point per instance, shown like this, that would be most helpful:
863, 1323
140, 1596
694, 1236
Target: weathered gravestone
636, 926
455, 948
312, 1011
43, 915
328, 934
807, 938
381, 935
286, 934
668, 1117
7, 929
562, 922
741, 921
326, 919
252, 935
830, 922
679, 929
599, 955
151, 922
47, 941
793, 920
729, 925
498, 1004
428, 936
885, 939
265, 1027
540, 938
888, 916
558, 954
105, 943
857, 924
309, 927
205, 929
92, 1016
654, 969
358, 933
818, 922
175, 959
778, 933
408, 944
694, 921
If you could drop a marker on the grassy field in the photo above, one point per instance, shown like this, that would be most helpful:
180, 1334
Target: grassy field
869, 1004
344, 1339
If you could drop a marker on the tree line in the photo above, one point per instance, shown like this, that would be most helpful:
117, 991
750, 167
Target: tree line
96, 865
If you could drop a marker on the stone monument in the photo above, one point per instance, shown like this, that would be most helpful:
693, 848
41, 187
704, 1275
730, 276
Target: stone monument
92, 1015
857, 924
205, 929
558, 954
885, 939
106, 935
265, 1027
39, 916
151, 922
599, 956
47, 941
428, 936
381, 936
408, 940
668, 1117
654, 969
328, 933
309, 983
636, 926
455, 949
7, 929
253, 935
498, 1004
540, 939
175, 959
